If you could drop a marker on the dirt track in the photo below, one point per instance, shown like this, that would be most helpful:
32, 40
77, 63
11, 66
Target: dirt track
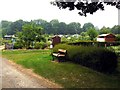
15, 76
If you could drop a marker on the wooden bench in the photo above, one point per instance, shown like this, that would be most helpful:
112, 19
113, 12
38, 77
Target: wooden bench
60, 55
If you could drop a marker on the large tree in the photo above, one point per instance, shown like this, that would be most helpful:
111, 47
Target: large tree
30, 33
85, 6
11, 28
73, 28
16, 26
62, 28
5, 26
87, 26
105, 30
116, 29
55, 26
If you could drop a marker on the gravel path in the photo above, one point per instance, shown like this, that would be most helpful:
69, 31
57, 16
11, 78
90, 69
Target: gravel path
15, 76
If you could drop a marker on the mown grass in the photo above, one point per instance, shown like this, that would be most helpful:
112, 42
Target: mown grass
67, 74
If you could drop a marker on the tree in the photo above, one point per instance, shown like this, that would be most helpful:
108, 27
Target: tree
62, 28
52, 27
73, 28
11, 28
77, 27
16, 26
104, 30
85, 6
116, 29
87, 26
30, 33
55, 25
92, 33
47, 27
84, 35
5, 26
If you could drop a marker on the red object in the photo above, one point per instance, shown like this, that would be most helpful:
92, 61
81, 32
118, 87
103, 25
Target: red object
107, 37
110, 38
56, 40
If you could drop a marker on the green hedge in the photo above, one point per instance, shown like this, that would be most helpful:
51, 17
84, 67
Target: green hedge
95, 43
97, 58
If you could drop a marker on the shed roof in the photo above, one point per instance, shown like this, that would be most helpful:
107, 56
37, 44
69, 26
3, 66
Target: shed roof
106, 34
56, 36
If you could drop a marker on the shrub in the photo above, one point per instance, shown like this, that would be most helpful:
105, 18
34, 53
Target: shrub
97, 58
40, 45
43, 45
37, 45
118, 37
17, 45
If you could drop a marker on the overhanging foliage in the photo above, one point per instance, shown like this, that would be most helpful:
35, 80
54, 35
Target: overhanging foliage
85, 6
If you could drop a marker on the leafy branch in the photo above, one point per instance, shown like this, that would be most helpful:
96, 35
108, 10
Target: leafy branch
85, 6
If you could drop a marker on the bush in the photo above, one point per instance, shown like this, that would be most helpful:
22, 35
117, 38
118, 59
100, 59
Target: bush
97, 58
17, 45
37, 45
118, 37
43, 45
40, 45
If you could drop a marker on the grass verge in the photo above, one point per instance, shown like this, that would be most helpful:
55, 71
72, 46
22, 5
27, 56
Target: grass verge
67, 74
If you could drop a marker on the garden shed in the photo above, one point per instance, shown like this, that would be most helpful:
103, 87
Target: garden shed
106, 38
56, 40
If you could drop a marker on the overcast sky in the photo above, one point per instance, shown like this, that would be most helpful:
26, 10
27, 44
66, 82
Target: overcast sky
27, 10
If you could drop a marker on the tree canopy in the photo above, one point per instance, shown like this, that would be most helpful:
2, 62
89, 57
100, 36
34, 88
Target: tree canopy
54, 27
30, 33
105, 30
87, 26
85, 6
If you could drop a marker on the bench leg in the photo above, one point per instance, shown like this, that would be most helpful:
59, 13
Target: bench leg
52, 58
60, 59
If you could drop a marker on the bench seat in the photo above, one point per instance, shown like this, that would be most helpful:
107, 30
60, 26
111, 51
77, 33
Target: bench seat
60, 55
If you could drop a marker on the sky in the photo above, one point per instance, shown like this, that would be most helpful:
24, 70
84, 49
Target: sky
27, 10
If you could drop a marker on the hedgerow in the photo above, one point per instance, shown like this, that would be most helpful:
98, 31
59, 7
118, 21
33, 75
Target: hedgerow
97, 58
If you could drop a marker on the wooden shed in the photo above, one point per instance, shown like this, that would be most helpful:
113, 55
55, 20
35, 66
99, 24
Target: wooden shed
106, 38
56, 40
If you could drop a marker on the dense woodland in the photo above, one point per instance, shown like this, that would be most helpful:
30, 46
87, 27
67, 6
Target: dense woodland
55, 27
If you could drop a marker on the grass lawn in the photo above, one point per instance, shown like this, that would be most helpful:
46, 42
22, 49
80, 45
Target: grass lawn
67, 74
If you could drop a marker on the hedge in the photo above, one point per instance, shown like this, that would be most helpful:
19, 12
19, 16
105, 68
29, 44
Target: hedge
95, 43
97, 58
